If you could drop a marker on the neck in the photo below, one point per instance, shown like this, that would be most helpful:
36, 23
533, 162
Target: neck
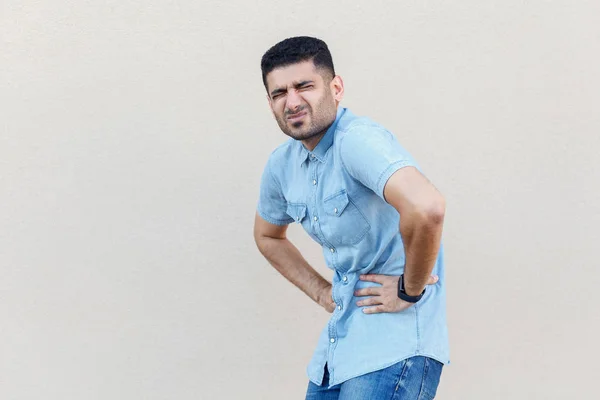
312, 142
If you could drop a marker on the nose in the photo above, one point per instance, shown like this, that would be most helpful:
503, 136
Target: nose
293, 102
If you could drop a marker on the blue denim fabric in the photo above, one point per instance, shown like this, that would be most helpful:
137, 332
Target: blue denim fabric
336, 193
416, 378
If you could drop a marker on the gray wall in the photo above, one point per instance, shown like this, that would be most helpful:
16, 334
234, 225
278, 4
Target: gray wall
132, 138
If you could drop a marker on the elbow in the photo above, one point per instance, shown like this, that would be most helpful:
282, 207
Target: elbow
433, 213
261, 245
437, 212
259, 240
263, 242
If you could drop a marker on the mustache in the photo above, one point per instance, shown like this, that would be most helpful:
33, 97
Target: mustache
298, 110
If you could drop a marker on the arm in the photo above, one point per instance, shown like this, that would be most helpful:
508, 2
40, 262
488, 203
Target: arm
421, 208
375, 158
273, 244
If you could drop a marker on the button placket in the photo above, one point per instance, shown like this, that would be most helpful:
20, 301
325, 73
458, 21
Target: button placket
313, 168
338, 301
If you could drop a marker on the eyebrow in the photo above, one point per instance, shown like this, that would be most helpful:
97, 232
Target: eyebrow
296, 85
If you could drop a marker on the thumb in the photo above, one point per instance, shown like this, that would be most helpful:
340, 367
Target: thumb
433, 279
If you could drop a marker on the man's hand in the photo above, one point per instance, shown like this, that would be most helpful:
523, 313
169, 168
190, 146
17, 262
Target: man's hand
384, 297
325, 299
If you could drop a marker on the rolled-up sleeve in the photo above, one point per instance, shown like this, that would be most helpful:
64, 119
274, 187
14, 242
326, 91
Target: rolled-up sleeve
271, 202
371, 155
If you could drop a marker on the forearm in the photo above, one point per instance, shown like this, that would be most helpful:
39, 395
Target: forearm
421, 235
286, 259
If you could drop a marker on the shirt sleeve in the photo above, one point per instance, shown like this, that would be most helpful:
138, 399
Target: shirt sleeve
371, 155
272, 205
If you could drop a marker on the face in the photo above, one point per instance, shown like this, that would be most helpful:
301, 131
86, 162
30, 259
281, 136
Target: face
303, 102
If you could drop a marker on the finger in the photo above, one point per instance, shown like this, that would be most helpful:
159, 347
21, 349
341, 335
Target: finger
374, 278
374, 310
370, 291
371, 301
433, 279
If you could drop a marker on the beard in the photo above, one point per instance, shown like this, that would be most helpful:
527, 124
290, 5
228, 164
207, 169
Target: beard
316, 121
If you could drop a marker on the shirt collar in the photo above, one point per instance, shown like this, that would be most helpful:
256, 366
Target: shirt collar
324, 144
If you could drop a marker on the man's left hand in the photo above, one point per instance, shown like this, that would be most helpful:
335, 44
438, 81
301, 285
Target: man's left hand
385, 297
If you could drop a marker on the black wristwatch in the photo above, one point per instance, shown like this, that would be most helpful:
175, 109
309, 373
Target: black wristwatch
402, 293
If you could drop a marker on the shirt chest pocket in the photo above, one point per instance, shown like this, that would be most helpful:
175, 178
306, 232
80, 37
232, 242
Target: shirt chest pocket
296, 211
343, 223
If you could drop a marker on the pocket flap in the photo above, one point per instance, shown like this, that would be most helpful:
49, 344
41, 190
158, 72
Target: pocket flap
296, 211
336, 204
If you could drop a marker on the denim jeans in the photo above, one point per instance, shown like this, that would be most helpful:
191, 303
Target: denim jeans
415, 378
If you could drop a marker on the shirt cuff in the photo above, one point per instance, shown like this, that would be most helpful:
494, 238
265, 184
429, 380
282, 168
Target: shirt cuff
274, 221
388, 172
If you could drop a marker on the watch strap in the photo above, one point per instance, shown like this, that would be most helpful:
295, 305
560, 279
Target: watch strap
404, 296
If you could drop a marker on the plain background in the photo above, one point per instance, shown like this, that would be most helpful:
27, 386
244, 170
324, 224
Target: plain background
133, 136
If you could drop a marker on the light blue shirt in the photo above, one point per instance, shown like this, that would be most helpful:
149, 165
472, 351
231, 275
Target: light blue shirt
336, 193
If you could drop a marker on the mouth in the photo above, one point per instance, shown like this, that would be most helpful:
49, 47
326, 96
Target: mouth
297, 116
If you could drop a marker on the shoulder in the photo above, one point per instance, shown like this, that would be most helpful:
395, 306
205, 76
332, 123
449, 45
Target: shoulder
282, 153
359, 130
280, 158
364, 141
354, 125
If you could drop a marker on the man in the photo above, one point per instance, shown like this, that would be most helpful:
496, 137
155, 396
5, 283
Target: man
362, 197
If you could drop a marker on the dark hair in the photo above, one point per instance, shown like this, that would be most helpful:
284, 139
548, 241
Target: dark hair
294, 50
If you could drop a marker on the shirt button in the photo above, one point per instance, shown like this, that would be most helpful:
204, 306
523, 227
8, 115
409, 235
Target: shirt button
335, 210
332, 340
332, 250
339, 306
314, 181
315, 218
345, 278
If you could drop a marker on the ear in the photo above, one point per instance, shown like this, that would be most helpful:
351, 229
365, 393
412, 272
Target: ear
337, 88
